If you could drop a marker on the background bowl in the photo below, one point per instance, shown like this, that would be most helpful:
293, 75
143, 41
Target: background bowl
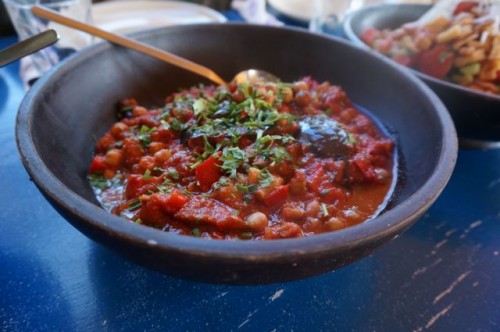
66, 109
476, 114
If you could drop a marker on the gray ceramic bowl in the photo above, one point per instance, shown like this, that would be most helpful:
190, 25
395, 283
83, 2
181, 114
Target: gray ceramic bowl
65, 109
476, 114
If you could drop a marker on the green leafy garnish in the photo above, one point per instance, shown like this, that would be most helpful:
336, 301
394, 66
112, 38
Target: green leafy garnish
196, 232
99, 181
232, 158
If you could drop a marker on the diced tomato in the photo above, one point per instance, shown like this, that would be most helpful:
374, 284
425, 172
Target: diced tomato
283, 231
208, 172
332, 194
98, 164
173, 202
132, 151
436, 61
157, 206
369, 35
105, 143
277, 197
365, 167
152, 213
210, 211
315, 177
137, 185
465, 7
162, 135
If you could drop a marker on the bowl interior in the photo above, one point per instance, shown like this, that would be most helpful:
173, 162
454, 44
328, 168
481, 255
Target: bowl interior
65, 111
474, 113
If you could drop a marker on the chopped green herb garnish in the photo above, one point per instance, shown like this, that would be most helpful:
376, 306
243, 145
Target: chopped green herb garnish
144, 135
147, 175
99, 181
265, 178
324, 210
246, 189
134, 205
173, 173
232, 158
196, 232
246, 235
176, 124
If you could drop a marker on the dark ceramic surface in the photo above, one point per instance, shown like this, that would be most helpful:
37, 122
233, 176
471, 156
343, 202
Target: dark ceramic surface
64, 111
476, 115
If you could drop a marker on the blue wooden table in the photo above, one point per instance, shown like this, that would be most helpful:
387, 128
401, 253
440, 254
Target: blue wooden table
441, 275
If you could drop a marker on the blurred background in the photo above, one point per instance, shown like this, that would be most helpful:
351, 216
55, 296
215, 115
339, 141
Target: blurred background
6, 26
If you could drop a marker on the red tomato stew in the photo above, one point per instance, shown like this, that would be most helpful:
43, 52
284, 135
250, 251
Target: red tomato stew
248, 161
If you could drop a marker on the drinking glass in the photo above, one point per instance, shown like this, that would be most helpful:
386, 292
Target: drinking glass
327, 15
26, 25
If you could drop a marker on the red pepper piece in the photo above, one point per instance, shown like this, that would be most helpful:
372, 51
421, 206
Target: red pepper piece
277, 197
315, 176
436, 61
174, 201
138, 185
208, 172
98, 164
157, 207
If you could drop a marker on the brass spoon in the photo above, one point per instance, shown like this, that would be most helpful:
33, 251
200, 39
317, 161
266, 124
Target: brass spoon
244, 76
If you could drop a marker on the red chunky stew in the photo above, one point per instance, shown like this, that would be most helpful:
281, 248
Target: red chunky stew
248, 161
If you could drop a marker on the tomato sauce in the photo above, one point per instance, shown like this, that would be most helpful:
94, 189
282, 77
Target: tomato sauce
247, 161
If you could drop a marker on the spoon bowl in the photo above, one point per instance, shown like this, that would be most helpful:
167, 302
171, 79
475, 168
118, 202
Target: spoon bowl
255, 75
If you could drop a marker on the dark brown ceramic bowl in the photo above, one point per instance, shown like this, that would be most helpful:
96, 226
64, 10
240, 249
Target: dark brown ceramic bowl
66, 109
476, 114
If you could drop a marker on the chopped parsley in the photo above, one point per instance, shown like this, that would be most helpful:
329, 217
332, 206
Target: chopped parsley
99, 181
232, 158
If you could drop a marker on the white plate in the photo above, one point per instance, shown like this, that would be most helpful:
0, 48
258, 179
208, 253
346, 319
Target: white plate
131, 16
300, 10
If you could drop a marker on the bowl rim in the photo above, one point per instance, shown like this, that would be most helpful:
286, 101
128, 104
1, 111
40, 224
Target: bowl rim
388, 224
353, 37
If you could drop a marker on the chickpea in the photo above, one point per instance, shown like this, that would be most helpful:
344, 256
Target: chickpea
118, 128
382, 174
155, 147
253, 175
261, 92
313, 208
114, 157
238, 96
162, 155
335, 224
303, 98
139, 110
287, 94
292, 213
353, 216
108, 173
257, 221
300, 85
271, 87
146, 162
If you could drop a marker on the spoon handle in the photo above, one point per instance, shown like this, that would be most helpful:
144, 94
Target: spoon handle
129, 43
27, 46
